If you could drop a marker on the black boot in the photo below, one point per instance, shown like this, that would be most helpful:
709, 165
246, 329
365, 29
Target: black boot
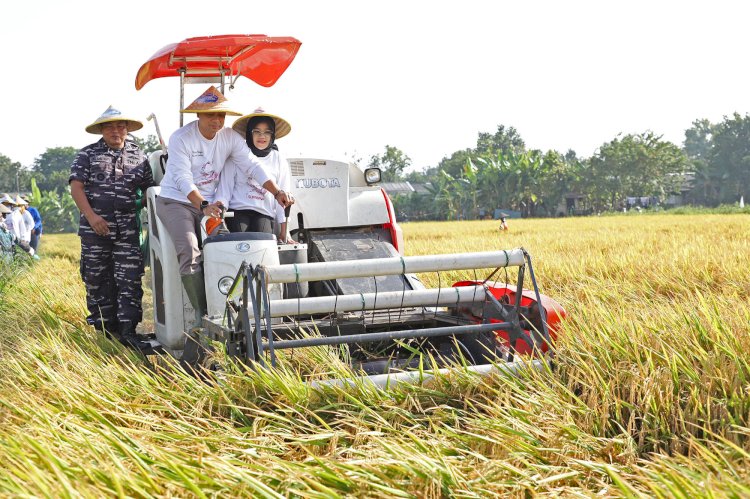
193, 352
130, 339
195, 289
111, 328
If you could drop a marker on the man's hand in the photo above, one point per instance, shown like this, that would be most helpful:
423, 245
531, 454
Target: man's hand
214, 210
284, 198
97, 223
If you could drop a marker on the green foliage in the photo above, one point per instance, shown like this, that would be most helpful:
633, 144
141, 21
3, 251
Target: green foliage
52, 168
697, 143
58, 210
503, 141
13, 176
147, 145
635, 165
36, 195
713, 168
516, 179
454, 164
720, 155
724, 209
392, 163
498, 173
730, 157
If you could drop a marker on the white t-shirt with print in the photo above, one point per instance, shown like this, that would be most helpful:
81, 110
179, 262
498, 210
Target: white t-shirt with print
195, 163
238, 190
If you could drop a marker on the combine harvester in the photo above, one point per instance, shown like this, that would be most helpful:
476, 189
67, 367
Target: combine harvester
347, 282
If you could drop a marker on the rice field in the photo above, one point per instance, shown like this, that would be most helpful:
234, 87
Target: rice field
649, 394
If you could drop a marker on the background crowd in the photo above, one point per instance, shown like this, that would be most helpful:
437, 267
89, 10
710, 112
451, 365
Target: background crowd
20, 228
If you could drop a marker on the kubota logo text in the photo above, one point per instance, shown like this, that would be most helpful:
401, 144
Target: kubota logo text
318, 183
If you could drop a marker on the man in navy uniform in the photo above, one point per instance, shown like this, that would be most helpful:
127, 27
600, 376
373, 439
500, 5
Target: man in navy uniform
103, 181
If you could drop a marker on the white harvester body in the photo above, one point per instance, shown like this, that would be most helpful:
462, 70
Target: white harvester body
331, 194
328, 194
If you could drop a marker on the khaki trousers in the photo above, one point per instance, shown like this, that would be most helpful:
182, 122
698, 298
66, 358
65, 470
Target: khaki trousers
182, 221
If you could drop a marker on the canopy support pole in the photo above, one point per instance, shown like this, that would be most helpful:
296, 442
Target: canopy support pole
182, 94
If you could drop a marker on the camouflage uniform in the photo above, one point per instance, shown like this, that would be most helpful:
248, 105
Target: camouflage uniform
6, 244
112, 265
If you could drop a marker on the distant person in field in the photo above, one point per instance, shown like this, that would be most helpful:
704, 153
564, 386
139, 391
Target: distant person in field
12, 217
28, 221
503, 224
4, 211
7, 240
198, 153
254, 208
103, 180
14, 220
36, 231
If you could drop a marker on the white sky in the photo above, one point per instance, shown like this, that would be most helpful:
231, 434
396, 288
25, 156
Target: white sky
423, 76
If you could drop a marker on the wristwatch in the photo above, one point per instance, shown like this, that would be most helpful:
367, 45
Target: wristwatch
277, 193
204, 205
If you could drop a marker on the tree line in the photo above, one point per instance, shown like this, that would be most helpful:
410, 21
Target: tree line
710, 168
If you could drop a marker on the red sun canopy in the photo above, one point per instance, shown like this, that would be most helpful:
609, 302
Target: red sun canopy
260, 58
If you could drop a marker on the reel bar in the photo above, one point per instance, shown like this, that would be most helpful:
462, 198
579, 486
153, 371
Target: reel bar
389, 335
435, 297
321, 271
390, 380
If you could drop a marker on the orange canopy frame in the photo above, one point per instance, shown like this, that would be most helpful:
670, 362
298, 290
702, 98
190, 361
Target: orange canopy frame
260, 58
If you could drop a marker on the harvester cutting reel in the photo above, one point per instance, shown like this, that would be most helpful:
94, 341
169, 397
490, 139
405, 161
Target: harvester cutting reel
476, 323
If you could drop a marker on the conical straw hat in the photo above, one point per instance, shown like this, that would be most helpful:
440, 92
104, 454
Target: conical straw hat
210, 101
282, 126
110, 115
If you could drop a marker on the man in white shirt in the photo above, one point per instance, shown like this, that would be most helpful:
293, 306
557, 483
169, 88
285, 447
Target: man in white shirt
197, 154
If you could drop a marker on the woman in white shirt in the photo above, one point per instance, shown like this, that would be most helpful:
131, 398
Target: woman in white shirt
255, 209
